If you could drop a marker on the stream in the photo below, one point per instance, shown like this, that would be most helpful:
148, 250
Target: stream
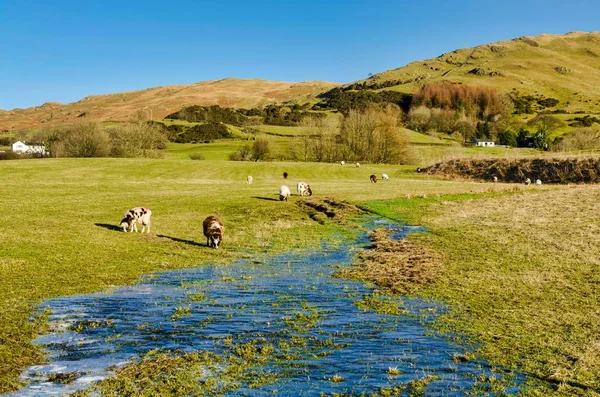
292, 296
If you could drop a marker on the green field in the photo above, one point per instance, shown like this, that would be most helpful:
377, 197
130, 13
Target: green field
518, 287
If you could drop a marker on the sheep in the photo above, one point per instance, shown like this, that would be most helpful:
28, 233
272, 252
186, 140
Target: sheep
213, 231
304, 189
285, 175
342, 162
249, 179
419, 169
495, 179
385, 177
527, 181
357, 165
373, 178
134, 216
538, 181
284, 193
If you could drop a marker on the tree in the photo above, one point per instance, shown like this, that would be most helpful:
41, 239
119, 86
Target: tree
260, 149
544, 124
508, 137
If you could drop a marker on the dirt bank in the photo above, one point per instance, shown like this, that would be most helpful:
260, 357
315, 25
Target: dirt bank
549, 170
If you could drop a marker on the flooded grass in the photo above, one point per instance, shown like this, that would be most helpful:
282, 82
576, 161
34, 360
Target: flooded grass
284, 325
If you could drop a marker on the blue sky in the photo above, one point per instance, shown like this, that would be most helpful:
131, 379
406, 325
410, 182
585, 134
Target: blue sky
65, 50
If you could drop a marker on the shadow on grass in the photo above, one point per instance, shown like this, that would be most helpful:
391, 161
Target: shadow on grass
114, 228
180, 240
265, 198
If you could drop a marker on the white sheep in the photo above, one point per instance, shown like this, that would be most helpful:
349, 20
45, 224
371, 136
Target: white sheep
342, 162
134, 216
527, 181
495, 179
357, 165
284, 193
385, 177
304, 189
249, 179
538, 181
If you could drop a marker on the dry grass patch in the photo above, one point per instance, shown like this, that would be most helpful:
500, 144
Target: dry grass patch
522, 274
396, 266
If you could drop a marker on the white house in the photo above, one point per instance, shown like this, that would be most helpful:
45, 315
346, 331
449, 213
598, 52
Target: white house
32, 148
483, 142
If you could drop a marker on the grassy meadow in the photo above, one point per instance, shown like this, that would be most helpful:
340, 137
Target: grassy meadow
519, 264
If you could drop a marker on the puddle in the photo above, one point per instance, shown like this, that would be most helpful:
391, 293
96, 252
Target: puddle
196, 309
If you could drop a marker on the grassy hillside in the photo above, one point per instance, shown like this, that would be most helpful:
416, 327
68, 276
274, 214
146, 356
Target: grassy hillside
157, 102
565, 67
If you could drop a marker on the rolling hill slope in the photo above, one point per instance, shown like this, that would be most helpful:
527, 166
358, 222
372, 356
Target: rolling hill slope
161, 101
566, 67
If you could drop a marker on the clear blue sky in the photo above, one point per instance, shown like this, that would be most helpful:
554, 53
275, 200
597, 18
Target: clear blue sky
65, 50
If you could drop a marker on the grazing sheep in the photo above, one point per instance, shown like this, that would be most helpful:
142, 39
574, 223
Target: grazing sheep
342, 162
213, 231
527, 181
304, 189
249, 179
538, 181
357, 165
285, 175
385, 177
284, 193
373, 178
134, 216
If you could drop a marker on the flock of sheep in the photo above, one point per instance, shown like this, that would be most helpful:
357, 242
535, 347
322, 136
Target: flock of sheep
527, 181
212, 225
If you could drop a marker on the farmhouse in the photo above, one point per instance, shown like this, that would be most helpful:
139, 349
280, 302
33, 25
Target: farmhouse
31, 148
483, 142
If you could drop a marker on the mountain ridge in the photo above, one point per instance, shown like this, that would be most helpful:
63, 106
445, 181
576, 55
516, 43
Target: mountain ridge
159, 101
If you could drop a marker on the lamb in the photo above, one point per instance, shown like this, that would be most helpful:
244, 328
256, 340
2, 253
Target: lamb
538, 181
342, 162
304, 189
357, 165
284, 193
527, 181
213, 231
495, 179
134, 216
385, 177
249, 179
373, 178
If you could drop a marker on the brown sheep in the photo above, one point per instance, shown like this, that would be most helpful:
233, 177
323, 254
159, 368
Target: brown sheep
213, 231
373, 178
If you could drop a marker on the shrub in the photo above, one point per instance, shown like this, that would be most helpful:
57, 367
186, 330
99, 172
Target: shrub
136, 140
242, 154
260, 149
580, 139
10, 155
85, 140
203, 133
197, 156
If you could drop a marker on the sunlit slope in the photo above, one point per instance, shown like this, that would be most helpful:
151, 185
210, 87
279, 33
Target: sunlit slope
157, 102
566, 67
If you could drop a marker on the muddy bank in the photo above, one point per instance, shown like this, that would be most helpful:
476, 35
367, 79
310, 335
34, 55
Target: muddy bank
398, 266
549, 170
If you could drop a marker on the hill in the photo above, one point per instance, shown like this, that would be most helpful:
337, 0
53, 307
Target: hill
160, 101
565, 67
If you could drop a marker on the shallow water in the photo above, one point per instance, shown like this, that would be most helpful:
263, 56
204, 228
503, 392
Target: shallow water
195, 309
